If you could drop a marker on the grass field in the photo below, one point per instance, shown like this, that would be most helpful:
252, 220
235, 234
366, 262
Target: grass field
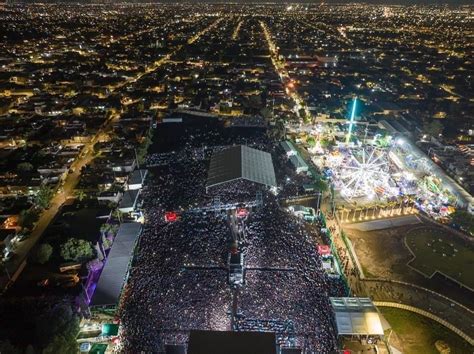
416, 334
436, 250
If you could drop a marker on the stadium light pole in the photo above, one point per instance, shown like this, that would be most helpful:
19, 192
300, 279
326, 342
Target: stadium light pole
5, 267
333, 204
318, 202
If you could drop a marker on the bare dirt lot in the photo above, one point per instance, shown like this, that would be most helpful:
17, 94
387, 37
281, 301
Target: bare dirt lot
383, 254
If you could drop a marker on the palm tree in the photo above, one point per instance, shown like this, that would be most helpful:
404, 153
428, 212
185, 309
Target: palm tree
321, 185
117, 214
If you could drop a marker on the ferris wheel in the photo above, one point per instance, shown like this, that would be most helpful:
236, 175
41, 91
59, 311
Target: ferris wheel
364, 173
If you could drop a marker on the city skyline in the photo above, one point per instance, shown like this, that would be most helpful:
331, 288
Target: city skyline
216, 178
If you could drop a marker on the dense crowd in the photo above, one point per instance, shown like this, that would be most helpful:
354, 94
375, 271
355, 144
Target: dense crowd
179, 278
241, 191
179, 185
285, 280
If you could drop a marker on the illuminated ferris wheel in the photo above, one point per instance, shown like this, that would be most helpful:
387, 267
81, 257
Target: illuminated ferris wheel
364, 173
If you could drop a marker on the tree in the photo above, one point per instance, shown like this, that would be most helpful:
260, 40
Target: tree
43, 253
464, 219
266, 113
117, 214
60, 344
57, 328
43, 197
109, 229
311, 141
327, 143
24, 167
80, 194
140, 106
383, 141
302, 113
434, 128
77, 250
143, 148
7, 348
107, 243
27, 218
321, 185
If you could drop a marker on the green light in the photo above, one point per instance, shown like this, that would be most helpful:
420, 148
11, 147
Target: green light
351, 124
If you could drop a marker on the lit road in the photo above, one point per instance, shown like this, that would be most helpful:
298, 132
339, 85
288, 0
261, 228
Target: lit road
283, 73
237, 30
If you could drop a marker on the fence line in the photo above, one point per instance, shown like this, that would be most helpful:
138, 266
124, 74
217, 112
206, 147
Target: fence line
428, 315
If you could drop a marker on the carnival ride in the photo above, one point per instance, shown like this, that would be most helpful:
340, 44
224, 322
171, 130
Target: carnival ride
364, 172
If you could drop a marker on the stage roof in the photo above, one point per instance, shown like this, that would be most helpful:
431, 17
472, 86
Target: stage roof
216, 342
241, 162
356, 316
113, 275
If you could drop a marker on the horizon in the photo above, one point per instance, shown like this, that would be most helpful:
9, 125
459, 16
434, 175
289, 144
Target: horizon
403, 3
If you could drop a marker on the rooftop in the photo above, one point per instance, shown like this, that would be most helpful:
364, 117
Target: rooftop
114, 273
241, 162
356, 316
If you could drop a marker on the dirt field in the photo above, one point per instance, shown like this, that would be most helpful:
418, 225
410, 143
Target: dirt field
383, 254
